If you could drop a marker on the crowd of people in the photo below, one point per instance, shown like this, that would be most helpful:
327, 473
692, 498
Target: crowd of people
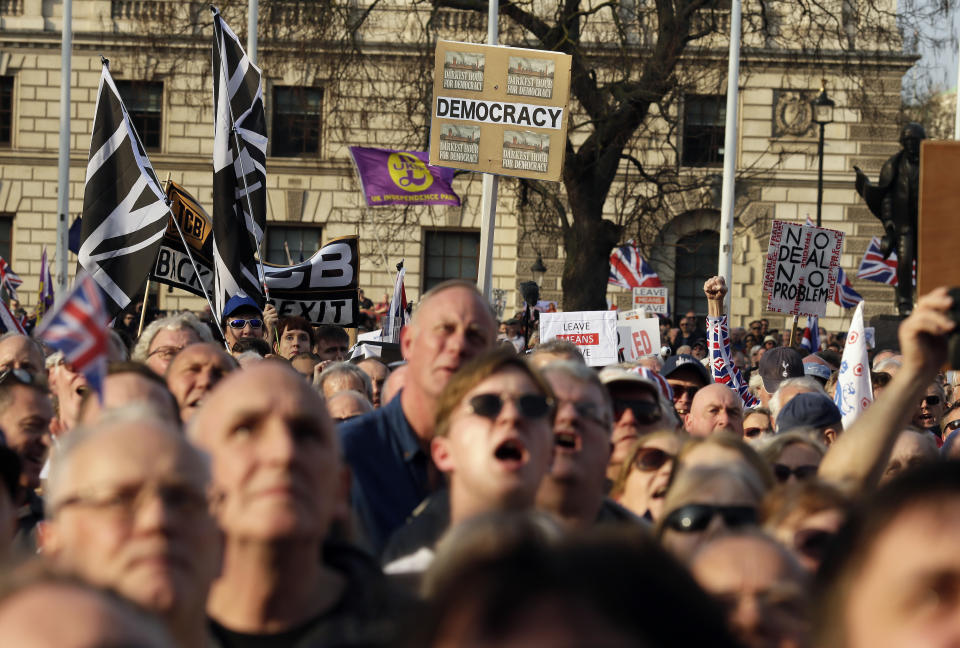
264, 490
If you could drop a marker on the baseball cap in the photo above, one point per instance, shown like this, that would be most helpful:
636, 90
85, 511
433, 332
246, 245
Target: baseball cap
612, 375
238, 301
808, 410
778, 364
816, 370
685, 360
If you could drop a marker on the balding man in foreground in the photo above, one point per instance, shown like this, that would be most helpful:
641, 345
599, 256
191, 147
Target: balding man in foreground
715, 408
127, 507
388, 449
278, 486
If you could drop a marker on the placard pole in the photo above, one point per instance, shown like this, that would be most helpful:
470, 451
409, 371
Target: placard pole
488, 202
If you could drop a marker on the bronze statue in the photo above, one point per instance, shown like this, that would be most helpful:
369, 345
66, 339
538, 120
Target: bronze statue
894, 201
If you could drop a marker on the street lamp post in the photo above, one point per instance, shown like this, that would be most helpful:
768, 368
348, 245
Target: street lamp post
823, 115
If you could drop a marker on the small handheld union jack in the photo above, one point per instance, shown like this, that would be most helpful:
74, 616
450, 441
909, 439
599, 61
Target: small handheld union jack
78, 327
9, 278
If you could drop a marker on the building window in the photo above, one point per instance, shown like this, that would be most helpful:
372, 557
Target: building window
297, 118
450, 255
703, 127
6, 236
144, 102
6, 111
696, 262
298, 241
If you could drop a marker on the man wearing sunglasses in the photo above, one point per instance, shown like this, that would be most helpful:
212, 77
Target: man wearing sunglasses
637, 409
686, 375
930, 411
242, 318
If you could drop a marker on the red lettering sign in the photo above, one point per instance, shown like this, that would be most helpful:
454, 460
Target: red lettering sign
582, 339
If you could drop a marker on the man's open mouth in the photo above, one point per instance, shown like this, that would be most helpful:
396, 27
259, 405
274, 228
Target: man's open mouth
567, 440
511, 452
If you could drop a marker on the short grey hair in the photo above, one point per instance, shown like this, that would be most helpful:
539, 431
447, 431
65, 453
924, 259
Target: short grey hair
803, 385
175, 322
340, 368
136, 415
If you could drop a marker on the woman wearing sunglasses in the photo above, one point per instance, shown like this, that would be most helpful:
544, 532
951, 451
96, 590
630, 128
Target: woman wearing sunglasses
645, 475
805, 516
704, 501
794, 456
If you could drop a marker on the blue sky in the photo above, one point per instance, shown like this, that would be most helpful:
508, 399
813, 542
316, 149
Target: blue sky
937, 67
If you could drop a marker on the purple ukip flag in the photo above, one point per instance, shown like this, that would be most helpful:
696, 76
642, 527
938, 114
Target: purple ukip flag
402, 178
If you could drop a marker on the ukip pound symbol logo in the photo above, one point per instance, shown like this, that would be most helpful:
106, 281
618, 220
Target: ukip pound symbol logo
409, 172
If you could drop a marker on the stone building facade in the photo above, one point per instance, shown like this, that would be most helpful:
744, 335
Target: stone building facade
314, 194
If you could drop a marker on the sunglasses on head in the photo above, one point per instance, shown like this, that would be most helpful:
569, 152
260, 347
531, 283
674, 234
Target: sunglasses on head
240, 323
782, 472
693, 518
930, 401
678, 392
650, 459
530, 406
644, 411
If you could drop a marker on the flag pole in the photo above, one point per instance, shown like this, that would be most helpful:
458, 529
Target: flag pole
243, 171
488, 200
727, 196
63, 164
143, 311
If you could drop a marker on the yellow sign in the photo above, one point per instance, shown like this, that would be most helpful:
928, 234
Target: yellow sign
500, 110
408, 172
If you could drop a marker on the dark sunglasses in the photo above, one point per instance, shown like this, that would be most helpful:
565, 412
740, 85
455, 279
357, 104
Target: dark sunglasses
696, 517
754, 432
678, 392
644, 411
952, 425
531, 406
782, 472
650, 459
930, 401
240, 323
22, 376
812, 543
586, 410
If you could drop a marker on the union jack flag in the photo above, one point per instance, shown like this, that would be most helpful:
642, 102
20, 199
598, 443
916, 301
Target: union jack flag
629, 270
9, 278
722, 368
9, 322
845, 296
875, 268
811, 334
78, 327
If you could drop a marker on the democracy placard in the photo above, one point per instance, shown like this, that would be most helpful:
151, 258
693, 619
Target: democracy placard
594, 333
802, 267
500, 110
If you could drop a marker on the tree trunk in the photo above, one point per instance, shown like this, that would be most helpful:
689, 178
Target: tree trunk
588, 243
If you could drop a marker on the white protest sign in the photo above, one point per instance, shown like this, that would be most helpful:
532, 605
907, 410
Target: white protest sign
802, 267
635, 314
638, 338
594, 333
652, 300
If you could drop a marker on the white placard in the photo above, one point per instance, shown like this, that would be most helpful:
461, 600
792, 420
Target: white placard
652, 300
639, 338
635, 314
594, 333
802, 267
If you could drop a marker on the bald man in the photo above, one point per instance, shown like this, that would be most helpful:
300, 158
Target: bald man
715, 409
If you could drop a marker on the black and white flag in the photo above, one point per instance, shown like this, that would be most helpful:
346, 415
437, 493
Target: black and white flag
239, 168
124, 211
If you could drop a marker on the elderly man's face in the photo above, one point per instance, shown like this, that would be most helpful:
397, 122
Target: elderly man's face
716, 408
194, 372
452, 327
26, 423
166, 344
276, 463
68, 386
18, 352
243, 323
130, 512
910, 450
127, 388
378, 373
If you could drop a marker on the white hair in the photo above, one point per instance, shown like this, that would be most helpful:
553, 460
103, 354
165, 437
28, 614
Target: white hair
175, 322
801, 384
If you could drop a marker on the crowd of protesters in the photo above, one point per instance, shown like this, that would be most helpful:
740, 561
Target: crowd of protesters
265, 490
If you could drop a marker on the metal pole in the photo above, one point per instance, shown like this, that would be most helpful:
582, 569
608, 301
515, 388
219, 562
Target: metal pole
63, 168
725, 264
820, 176
252, 11
956, 117
488, 202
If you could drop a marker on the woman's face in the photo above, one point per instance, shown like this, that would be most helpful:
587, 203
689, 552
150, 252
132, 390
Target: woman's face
797, 461
647, 481
808, 535
724, 502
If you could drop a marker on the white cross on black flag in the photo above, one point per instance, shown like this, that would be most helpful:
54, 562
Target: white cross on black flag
124, 210
239, 168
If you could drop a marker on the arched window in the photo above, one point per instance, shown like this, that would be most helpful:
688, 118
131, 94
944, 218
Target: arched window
696, 261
